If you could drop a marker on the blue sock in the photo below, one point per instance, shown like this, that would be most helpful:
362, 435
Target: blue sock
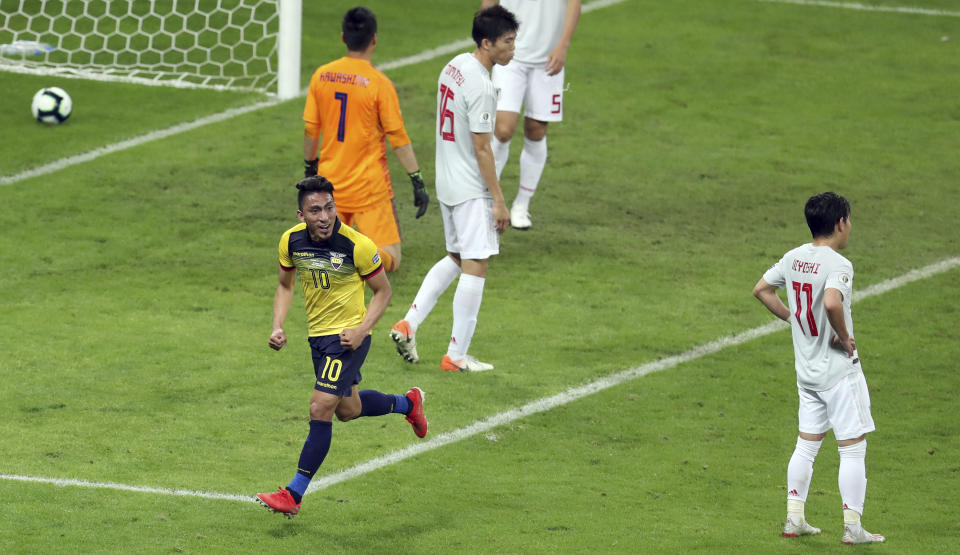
374, 403
314, 450
402, 405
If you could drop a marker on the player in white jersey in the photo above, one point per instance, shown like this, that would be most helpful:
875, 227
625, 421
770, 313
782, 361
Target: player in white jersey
471, 202
833, 392
534, 79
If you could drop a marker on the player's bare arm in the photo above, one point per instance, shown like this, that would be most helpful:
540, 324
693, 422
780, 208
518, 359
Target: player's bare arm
481, 146
351, 338
407, 157
767, 294
281, 306
558, 57
833, 303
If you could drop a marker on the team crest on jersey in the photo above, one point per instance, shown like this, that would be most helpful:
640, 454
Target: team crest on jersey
336, 260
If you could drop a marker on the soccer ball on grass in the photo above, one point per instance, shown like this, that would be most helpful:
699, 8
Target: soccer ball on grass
51, 105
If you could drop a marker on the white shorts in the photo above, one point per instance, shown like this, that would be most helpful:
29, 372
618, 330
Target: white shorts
844, 407
529, 85
469, 229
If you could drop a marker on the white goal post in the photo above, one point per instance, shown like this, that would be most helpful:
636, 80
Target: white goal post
221, 44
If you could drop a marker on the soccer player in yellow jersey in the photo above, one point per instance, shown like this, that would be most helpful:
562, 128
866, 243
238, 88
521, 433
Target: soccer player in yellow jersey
334, 262
351, 111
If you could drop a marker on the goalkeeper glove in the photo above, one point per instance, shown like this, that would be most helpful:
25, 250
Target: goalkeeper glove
420, 197
310, 167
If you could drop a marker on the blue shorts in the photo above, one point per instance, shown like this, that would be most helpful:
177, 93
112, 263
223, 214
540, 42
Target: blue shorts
337, 369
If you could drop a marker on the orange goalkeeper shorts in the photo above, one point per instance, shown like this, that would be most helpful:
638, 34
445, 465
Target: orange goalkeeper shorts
378, 222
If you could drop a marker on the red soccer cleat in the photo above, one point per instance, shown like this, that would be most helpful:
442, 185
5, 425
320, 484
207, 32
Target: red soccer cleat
281, 502
416, 417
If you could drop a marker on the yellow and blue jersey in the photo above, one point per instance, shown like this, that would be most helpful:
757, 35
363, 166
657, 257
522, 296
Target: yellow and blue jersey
332, 275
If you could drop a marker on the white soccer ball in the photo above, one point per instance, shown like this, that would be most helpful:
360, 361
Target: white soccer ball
51, 105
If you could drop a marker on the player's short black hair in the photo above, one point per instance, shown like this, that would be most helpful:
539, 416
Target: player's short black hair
312, 184
824, 211
492, 23
359, 26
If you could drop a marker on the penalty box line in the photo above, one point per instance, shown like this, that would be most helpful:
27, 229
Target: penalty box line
69, 161
506, 417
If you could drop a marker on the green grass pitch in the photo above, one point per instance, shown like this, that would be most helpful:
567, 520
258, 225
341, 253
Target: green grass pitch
136, 289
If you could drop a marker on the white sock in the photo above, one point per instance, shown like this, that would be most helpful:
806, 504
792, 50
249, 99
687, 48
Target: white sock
466, 307
800, 472
434, 284
501, 152
533, 158
852, 477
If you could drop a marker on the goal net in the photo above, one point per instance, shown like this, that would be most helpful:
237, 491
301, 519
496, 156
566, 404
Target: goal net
222, 44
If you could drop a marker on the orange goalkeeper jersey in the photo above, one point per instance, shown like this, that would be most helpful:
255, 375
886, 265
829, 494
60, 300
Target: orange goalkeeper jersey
355, 105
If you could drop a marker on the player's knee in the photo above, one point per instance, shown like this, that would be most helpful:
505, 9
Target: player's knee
318, 412
856, 450
534, 130
503, 135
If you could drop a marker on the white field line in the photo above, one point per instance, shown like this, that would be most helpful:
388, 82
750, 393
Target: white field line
867, 7
234, 112
607, 382
64, 482
514, 414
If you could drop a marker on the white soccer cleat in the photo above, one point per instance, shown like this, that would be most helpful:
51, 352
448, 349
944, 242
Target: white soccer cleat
468, 364
796, 526
520, 217
406, 341
854, 533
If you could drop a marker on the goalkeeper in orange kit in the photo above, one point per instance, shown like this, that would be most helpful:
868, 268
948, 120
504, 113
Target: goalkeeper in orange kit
351, 111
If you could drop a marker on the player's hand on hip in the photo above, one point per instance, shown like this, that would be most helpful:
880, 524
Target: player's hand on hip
278, 339
501, 216
420, 197
849, 346
351, 338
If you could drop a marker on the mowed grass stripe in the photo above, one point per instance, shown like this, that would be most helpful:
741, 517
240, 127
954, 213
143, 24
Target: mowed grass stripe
506, 417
